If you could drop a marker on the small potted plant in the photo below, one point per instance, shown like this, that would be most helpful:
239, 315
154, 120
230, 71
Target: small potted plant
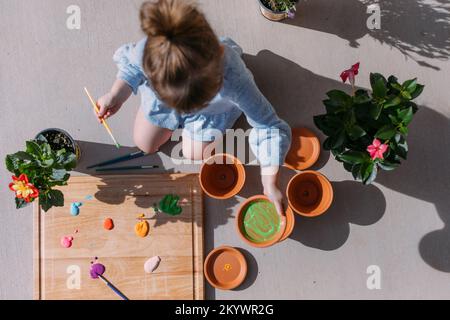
43, 165
367, 131
277, 10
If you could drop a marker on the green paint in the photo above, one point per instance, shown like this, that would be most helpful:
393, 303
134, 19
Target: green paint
169, 205
261, 221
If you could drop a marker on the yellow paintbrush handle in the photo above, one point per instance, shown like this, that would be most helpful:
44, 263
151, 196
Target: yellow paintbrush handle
94, 105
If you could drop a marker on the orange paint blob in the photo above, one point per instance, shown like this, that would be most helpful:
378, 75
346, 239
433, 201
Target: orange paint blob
108, 224
141, 229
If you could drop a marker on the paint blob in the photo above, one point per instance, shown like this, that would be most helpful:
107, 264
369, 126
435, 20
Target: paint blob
108, 224
96, 270
152, 264
89, 197
261, 221
75, 208
141, 229
66, 241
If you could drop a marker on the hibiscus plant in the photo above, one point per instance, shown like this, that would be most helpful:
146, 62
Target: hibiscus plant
367, 131
36, 171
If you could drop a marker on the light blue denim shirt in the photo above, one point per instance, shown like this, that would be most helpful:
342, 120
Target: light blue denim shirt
270, 136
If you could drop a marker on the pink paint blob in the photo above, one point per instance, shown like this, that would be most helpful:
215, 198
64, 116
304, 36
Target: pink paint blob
97, 269
66, 241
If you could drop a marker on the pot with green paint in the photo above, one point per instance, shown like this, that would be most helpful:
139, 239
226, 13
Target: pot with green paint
259, 224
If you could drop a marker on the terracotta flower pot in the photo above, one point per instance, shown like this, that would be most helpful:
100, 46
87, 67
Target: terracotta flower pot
225, 268
259, 224
309, 193
222, 176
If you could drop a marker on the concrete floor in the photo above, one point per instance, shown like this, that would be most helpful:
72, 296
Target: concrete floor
401, 223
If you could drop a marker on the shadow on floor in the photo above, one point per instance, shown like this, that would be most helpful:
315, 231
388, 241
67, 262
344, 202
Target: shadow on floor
425, 175
352, 204
414, 27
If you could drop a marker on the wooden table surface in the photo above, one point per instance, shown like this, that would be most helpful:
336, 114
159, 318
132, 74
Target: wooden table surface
63, 273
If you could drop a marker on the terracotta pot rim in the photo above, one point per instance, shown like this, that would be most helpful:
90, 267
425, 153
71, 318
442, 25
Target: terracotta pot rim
237, 163
289, 227
242, 275
266, 244
327, 183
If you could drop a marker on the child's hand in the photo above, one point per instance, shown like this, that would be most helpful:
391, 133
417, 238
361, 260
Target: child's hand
269, 180
109, 104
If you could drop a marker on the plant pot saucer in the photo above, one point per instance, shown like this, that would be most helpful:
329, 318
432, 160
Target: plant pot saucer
225, 268
304, 151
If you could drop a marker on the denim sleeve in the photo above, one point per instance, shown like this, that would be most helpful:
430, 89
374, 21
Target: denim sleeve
129, 62
270, 138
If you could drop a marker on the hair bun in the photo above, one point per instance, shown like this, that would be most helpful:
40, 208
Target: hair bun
169, 19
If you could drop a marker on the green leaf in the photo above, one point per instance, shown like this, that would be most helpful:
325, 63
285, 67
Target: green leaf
410, 85
406, 115
386, 132
356, 132
361, 97
11, 165
379, 89
339, 97
366, 170
418, 91
58, 174
356, 172
348, 166
33, 148
406, 95
392, 102
20, 203
375, 111
56, 198
354, 157
403, 130
372, 176
333, 107
70, 161
387, 166
22, 155
337, 140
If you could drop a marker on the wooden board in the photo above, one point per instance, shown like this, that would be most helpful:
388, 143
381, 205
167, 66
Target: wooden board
177, 240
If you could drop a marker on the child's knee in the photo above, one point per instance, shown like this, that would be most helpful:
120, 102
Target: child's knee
145, 145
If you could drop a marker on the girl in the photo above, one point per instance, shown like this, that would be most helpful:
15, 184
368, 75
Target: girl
190, 79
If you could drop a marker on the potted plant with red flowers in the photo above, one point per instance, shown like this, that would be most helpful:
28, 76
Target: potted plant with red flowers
367, 130
43, 165
277, 10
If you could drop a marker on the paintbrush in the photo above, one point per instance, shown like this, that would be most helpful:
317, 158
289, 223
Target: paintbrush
96, 109
126, 157
126, 168
113, 288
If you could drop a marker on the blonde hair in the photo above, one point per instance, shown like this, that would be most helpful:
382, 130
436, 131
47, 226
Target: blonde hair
182, 56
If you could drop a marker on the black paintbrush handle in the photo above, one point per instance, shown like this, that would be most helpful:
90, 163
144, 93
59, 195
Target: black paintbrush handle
126, 157
126, 168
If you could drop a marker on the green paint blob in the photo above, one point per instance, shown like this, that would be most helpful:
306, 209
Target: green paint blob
261, 221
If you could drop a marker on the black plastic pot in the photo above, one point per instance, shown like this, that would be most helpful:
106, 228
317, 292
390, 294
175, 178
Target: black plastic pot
270, 14
68, 142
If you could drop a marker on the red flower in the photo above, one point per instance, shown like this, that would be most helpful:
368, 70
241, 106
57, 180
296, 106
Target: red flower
350, 73
376, 149
23, 189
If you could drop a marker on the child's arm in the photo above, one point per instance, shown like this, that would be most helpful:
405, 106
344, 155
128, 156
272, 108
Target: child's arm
111, 102
130, 76
270, 137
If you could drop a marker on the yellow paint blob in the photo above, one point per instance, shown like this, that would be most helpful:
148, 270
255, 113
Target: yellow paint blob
141, 229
